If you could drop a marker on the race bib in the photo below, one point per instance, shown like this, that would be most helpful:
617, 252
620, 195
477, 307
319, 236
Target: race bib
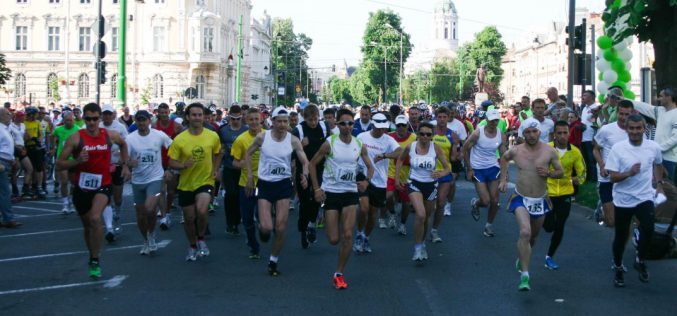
346, 175
535, 206
147, 158
89, 181
276, 170
425, 163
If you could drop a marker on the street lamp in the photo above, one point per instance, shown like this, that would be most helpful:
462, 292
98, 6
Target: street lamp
401, 35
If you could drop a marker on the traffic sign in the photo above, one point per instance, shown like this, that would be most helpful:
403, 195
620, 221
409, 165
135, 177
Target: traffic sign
280, 91
100, 49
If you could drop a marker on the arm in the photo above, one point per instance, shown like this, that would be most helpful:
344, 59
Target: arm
312, 170
505, 160
454, 154
579, 166
124, 153
216, 160
258, 141
645, 109
558, 171
301, 156
71, 143
445, 164
469, 143
367, 162
52, 144
671, 142
658, 177
398, 164
597, 153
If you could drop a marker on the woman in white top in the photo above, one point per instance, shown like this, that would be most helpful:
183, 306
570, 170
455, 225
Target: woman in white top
338, 190
275, 185
423, 155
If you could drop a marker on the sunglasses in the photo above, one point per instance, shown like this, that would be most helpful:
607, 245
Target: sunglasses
91, 118
380, 121
236, 118
401, 125
425, 134
346, 123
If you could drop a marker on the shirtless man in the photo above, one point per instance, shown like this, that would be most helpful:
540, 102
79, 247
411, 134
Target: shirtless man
535, 161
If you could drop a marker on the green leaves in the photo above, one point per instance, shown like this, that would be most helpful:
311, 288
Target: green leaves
5, 73
289, 54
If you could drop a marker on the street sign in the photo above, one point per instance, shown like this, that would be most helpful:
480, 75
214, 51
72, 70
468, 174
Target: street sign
191, 93
100, 49
280, 91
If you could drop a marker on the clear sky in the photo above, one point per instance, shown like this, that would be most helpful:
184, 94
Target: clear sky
337, 26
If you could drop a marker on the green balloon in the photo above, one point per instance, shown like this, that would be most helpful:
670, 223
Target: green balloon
610, 54
616, 4
629, 94
624, 76
600, 97
604, 42
619, 84
601, 76
618, 65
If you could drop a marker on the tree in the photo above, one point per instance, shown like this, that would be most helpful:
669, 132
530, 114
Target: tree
487, 49
289, 56
381, 48
652, 21
416, 86
360, 88
339, 90
54, 88
5, 73
145, 94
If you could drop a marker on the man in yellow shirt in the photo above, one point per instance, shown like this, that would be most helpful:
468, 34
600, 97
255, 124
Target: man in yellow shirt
248, 199
403, 137
34, 140
196, 153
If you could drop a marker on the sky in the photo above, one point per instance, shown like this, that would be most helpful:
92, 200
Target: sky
336, 27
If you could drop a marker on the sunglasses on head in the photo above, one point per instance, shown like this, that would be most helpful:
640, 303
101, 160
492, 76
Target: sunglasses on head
91, 118
346, 123
425, 134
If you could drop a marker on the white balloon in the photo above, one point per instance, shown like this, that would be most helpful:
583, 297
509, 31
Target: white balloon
610, 76
599, 54
602, 87
629, 40
620, 46
625, 55
628, 66
603, 65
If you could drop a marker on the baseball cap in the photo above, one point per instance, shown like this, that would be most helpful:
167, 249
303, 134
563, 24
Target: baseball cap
380, 121
280, 111
20, 114
529, 123
493, 114
107, 108
142, 114
401, 119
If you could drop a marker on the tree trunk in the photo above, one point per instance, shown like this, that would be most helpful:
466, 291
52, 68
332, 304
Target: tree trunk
664, 29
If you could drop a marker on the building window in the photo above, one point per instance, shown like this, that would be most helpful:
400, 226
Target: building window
83, 86
114, 86
159, 1
454, 33
51, 78
158, 38
21, 1
446, 33
84, 43
200, 2
53, 37
115, 1
85, 1
22, 38
20, 85
54, 1
200, 83
158, 89
208, 39
114, 39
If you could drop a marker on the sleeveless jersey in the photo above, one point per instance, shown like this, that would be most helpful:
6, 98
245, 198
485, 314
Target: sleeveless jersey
275, 158
483, 154
445, 142
340, 167
170, 131
422, 165
95, 173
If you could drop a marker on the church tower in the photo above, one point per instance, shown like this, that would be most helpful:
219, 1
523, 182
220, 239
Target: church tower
445, 26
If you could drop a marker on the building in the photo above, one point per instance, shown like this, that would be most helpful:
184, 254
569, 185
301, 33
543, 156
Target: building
172, 45
444, 39
260, 87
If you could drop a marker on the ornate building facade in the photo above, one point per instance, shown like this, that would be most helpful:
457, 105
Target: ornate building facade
443, 42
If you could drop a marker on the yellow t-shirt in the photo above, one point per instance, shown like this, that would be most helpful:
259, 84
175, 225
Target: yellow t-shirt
445, 142
202, 149
404, 171
238, 152
33, 129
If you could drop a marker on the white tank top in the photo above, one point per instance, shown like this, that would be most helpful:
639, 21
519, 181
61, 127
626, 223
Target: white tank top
340, 167
422, 165
275, 158
483, 154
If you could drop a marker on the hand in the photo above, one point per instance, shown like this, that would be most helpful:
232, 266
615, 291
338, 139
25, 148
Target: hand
659, 190
398, 184
469, 175
305, 141
188, 163
83, 156
503, 186
304, 181
635, 169
575, 181
542, 171
378, 158
603, 172
168, 175
126, 175
362, 185
319, 196
133, 163
249, 187
437, 174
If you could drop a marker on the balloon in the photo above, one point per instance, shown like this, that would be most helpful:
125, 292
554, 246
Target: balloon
624, 76
629, 40
601, 76
616, 4
625, 54
618, 65
600, 97
603, 65
620, 45
610, 54
629, 94
599, 53
619, 85
602, 87
628, 66
610, 76
604, 42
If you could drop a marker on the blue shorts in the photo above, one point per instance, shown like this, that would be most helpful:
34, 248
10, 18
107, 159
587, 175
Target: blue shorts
537, 210
487, 175
446, 179
605, 192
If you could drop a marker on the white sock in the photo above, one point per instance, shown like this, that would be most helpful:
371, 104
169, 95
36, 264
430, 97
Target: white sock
108, 217
488, 225
418, 246
311, 225
66, 201
273, 258
525, 273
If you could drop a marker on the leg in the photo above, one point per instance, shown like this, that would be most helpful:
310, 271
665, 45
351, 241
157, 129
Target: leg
493, 201
247, 207
442, 191
93, 225
331, 226
561, 209
371, 220
363, 210
645, 214
202, 201
621, 232
609, 214
524, 241
265, 219
150, 204
416, 199
189, 224
348, 220
141, 219
5, 194
281, 216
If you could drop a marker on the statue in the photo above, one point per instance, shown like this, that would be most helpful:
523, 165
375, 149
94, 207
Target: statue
480, 76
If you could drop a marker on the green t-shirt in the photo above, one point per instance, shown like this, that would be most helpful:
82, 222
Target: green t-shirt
79, 123
62, 133
502, 125
528, 112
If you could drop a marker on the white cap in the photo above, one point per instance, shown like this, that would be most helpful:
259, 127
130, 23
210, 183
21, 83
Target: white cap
108, 108
493, 114
528, 123
280, 111
401, 119
380, 121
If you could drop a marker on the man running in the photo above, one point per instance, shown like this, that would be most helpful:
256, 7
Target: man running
230, 175
449, 142
403, 137
479, 152
111, 217
171, 129
91, 148
145, 151
59, 137
534, 160
339, 187
195, 152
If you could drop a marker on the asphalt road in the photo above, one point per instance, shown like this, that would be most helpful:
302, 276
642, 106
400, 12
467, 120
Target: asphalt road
43, 269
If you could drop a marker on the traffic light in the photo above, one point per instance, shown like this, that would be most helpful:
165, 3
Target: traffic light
102, 73
579, 36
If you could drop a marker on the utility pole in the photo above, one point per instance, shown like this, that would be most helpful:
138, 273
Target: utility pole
401, 103
239, 61
122, 55
592, 51
385, 74
581, 64
99, 31
570, 82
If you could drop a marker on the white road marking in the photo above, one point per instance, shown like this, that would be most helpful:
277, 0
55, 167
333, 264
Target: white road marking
52, 231
45, 202
431, 296
110, 283
37, 215
160, 244
35, 209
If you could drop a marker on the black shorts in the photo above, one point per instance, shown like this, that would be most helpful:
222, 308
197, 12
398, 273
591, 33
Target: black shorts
274, 191
377, 196
82, 199
37, 157
605, 192
337, 201
20, 152
427, 189
456, 166
117, 176
187, 198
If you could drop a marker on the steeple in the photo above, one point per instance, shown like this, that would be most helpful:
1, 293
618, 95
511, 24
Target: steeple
445, 26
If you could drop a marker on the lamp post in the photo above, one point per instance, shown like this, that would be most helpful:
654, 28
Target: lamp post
400, 77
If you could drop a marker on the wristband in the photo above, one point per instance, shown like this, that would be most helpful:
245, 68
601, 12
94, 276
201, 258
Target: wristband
318, 189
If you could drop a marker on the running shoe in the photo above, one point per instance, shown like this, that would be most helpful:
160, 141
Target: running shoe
418, 254
435, 236
211, 208
158, 214
366, 247
144, 249
165, 222
613, 266
65, 210
488, 231
424, 253
152, 244
643, 273
392, 222
56, 188
475, 210
94, 269
304, 239
71, 208
382, 223
272, 268
110, 236
619, 279
312, 235
203, 251
550, 263
340, 282
524, 283
358, 244
447, 209
254, 255
518, 265
192, 254
402, 230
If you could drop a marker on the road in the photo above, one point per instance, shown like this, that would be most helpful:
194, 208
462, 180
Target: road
44, 271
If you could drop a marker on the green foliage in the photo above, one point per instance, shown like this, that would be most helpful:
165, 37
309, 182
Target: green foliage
488, 49
633, 17
416, 87
54, 88
289, 55
360, 88
145, 94
5, 73
444, 81
339, 90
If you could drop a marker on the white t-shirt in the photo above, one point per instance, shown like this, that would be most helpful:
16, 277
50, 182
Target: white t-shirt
455, 126
146, 150
607, 137
546, 127
122, 130
377, 146
636, 189
586, 118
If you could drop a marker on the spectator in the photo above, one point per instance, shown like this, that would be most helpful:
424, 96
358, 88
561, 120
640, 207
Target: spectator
588, 115
576, 128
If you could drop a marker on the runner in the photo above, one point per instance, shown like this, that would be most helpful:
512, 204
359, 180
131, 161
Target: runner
448, 141
58, 140
230, 175
171, 129
529, 203
6, 162
380, 148
393, 193
91, 148
195, 152
423, 155
561, 190
145, 150
483, 169
34, 139
274, 185
339, 188
111, 216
